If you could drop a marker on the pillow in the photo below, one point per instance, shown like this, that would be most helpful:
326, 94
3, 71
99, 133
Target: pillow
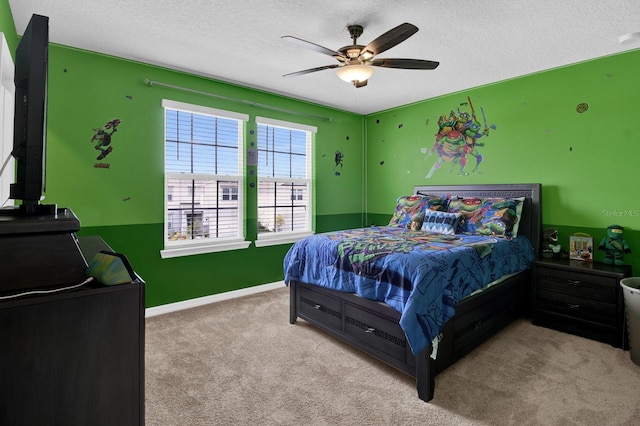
489, 216
410, 210
438, 203
442, 222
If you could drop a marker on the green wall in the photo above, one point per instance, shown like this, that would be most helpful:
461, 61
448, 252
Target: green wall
587, 162
124, 202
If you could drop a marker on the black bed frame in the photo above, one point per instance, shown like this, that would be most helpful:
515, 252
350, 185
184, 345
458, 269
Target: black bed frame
373, 326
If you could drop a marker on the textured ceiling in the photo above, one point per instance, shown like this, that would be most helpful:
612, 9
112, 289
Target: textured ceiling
238, 41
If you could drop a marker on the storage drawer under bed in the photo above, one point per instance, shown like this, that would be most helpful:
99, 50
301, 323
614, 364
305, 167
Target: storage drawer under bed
320, 307
379, 333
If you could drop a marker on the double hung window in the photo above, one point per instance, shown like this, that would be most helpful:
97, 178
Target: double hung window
285, 191
204, 180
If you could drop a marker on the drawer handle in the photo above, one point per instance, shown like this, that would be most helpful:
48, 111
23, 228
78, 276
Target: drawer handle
575, 283
317, 307
370, 330
573, 306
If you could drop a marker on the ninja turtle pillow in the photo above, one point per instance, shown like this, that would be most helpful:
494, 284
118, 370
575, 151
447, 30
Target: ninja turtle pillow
410, 210
497, 217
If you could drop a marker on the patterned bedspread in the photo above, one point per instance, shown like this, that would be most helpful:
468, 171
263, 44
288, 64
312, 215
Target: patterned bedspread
420, 274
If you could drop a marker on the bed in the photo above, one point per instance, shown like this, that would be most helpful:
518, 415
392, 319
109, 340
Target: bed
382, 328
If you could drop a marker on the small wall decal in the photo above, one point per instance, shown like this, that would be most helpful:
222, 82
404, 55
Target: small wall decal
339, 156
102, 137
583, 107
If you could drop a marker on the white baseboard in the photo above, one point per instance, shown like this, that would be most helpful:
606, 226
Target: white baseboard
192, 303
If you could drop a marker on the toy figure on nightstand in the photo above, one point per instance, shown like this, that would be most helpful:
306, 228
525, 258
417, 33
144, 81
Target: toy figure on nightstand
550, 245
614, 245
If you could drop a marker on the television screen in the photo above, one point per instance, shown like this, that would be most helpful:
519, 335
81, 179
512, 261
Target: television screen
29, 143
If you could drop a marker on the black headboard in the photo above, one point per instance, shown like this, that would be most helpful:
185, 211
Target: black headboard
531, 220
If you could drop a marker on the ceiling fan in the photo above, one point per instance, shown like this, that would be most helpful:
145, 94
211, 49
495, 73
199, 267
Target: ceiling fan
356, 62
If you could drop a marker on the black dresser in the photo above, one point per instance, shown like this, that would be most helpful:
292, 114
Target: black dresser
71, 357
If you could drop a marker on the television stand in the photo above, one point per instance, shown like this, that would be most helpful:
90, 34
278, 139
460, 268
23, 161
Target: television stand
39, 251
35, 209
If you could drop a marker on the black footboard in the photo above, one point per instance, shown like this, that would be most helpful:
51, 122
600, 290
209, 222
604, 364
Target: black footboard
373, 326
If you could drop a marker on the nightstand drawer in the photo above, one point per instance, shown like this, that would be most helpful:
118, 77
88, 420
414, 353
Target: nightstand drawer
577, 283
577, 307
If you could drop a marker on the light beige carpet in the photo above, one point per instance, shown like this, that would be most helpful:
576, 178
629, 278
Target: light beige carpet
240, 362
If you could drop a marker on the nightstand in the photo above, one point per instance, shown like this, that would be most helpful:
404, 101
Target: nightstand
582, 298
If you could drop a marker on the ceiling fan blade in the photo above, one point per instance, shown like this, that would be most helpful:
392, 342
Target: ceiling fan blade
389, 39
409, 64
310, 70
313, 46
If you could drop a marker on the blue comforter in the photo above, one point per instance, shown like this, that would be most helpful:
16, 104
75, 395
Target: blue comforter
420, 274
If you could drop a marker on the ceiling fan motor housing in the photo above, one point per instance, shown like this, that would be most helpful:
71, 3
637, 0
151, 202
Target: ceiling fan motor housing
355, 31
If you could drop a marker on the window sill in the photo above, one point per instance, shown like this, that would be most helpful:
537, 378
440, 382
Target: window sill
189, 250
273, 240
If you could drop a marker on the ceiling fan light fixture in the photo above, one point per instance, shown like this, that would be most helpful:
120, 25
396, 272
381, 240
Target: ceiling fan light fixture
354, 73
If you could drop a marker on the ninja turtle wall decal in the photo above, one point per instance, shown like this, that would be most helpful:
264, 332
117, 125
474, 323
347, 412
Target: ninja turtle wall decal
338, 160
102, 137
457, 139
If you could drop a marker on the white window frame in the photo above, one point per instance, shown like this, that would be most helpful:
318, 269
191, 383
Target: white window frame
209, 245
264, 239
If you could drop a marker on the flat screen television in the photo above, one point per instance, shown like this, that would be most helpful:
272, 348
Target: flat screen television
30, 122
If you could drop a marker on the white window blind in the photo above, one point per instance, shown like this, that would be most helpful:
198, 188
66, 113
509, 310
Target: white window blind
203, 179
285, 190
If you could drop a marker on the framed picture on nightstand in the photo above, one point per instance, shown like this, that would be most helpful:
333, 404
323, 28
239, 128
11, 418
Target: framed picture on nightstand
581, 247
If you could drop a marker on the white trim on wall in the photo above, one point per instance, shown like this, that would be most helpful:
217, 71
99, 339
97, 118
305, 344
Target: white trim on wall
200, 301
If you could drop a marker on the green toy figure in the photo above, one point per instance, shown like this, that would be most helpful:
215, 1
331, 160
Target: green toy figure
614, 245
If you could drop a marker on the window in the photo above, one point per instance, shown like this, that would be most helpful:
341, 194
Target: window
230, 193
203, 179
284, 180
296, 194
